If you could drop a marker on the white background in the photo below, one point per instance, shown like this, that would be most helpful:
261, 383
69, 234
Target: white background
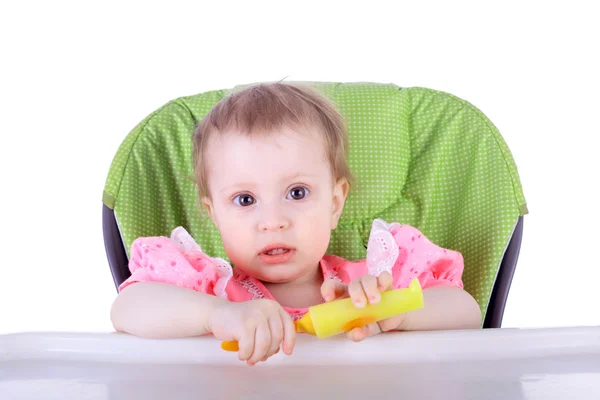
76, 77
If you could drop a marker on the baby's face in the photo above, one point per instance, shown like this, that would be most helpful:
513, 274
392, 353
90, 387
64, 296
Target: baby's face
273, 201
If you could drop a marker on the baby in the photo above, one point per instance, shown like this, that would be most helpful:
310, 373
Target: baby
270, 164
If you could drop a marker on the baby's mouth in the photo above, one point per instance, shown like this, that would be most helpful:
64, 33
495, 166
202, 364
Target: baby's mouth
277, 253
274, 252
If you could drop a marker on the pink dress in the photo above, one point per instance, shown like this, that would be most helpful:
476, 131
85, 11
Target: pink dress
399, 249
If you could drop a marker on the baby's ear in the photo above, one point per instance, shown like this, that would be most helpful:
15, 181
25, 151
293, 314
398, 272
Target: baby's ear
340, 192
208, 206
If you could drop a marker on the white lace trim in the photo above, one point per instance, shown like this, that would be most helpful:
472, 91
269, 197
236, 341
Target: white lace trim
251, 287
186, 243
225, 273
382, 250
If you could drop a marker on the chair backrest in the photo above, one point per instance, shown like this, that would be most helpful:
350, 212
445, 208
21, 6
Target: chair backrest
421, 157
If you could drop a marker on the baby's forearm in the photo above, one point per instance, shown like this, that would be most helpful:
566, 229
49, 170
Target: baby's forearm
158, 310
446, 307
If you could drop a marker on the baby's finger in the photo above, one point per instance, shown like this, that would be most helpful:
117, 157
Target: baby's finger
369, 284
276, 326
357, 293
332, 289
289, 332
246, 344
385, 281
358, 334
392, 323
262, 340
265, 358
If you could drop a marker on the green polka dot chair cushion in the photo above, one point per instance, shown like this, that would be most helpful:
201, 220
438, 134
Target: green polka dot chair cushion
420, 157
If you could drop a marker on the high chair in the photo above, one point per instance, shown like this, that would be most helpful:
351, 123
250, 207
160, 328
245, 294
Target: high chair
420, 157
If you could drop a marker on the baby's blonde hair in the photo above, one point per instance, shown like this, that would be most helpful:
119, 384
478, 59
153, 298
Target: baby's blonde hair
265, 108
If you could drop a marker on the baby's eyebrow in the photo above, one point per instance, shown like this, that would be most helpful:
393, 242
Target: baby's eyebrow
250, 185
237, 186
298, 175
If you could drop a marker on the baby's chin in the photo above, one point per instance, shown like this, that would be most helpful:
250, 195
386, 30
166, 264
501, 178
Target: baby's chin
276, 278
276, 275
265, 276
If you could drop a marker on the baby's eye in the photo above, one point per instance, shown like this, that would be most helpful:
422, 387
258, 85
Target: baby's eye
298, 193
244, 200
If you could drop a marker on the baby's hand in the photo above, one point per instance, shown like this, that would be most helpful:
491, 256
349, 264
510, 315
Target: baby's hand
260, 327
362, 290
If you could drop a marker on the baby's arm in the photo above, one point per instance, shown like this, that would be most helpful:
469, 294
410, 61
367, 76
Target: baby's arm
446, 307
160, 310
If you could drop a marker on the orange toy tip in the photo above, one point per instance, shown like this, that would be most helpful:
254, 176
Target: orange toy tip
230, 346
358, 323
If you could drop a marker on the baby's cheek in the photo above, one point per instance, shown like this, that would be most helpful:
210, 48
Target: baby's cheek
318, 236
236, 244
235, 249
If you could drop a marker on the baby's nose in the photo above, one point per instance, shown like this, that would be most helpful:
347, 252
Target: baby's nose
273, 222
272, 226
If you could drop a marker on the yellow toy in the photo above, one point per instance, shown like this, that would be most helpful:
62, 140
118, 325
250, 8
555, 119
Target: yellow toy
340, 316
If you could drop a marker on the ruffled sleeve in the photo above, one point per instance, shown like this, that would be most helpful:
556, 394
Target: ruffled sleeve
406, 253
177, 260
